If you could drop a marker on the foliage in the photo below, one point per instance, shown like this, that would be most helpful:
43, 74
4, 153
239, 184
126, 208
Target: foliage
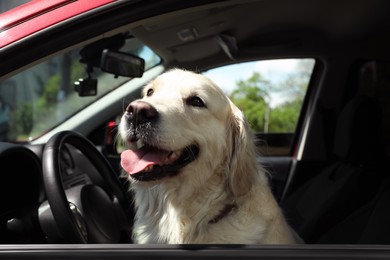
284, 117
254, 97
251, 97
50, 91
24, 118
53, 83
77, 71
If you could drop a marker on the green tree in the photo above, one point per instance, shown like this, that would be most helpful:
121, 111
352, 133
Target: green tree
24, 118
284, 117
252, 96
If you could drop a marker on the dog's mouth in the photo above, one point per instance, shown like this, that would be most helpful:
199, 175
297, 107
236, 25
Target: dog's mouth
151, 163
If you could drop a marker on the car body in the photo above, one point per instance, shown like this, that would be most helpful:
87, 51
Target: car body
328, 168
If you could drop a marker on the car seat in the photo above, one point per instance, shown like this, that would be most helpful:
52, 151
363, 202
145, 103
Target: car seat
350, 179
366, 225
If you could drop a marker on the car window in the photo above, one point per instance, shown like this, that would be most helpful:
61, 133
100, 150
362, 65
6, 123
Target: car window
8, 5
40, 98
271, 94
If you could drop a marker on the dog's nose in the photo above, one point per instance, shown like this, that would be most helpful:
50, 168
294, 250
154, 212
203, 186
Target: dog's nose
141, 111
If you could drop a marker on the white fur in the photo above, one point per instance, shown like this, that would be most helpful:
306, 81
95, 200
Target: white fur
179, 209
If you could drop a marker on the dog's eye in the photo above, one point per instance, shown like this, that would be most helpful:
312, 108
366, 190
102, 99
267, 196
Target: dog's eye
196, 102
149, 92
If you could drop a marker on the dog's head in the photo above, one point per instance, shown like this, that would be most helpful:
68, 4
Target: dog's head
185, 125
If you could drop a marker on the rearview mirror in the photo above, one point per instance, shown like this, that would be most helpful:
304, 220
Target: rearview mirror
122, 64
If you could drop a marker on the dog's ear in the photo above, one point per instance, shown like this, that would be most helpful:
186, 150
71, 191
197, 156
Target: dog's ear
242, 163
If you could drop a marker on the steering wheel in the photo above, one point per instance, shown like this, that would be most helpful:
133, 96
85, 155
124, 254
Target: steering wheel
87, 213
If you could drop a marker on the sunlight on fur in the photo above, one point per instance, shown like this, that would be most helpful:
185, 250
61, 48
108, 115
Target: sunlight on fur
193, 169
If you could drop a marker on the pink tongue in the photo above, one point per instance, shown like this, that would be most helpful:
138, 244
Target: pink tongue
134, 161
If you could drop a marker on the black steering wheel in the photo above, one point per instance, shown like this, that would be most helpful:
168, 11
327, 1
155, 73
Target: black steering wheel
86, 213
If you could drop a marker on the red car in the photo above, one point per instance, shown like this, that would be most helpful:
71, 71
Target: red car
311, 77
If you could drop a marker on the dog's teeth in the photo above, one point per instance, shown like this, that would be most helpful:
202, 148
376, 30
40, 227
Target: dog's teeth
139, 144
148, 169
174, 155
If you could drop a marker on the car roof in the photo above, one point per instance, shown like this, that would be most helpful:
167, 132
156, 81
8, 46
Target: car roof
36, 15
204, 34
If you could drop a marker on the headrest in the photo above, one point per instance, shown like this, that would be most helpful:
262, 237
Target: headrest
359, 136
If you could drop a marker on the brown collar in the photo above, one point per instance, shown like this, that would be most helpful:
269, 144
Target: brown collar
223, 213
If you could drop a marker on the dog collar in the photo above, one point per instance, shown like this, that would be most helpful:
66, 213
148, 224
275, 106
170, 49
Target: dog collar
224, 212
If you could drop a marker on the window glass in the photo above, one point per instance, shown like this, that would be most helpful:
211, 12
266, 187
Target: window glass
271, 94
8, 5
40, 98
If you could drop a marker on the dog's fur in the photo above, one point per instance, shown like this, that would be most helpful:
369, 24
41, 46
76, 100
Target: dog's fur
224, 177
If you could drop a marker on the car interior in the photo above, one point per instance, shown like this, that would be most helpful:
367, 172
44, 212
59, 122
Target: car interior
332, 183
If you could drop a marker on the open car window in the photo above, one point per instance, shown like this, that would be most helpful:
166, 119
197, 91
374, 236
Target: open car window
271, 94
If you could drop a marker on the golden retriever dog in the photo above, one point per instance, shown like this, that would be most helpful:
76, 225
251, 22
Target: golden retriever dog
193, 169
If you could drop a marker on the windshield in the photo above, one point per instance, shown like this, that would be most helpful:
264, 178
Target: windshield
8, 5
40, 98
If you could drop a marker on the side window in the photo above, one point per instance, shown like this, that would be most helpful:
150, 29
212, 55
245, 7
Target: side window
271, 94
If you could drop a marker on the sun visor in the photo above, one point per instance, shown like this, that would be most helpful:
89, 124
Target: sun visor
204, 48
